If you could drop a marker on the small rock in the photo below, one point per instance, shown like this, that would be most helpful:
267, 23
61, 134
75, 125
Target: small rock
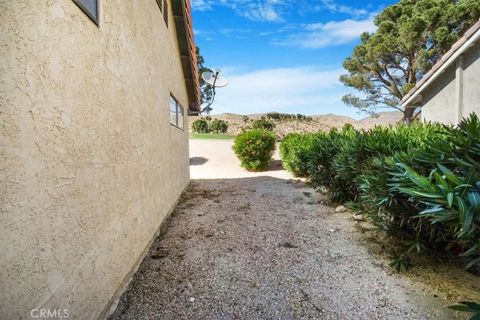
358, 217
323, 190
192, 299
160, 253
340, 209
332, 230
287, 245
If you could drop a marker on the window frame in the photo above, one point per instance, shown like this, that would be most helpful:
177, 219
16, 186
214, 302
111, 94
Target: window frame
95, 20
179, 112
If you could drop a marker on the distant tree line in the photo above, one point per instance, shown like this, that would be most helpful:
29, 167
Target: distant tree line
277, 116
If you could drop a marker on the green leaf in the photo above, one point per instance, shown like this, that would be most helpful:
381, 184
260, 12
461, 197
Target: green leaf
470, 251
414, 192
466, 306
474, 199
449, 174
471, 264
415, 177
450, 199
433, 210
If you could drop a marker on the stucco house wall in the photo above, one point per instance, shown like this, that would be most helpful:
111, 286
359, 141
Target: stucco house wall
455, 94
450, 91
471, 81
439, 99
89, 163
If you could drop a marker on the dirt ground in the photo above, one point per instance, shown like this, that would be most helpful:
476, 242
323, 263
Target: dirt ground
265, 246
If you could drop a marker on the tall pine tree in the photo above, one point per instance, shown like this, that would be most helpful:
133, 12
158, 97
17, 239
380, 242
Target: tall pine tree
412, 36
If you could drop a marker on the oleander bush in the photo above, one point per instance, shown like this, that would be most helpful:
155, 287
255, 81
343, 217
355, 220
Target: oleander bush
263, 124
200, 126
442, 180
419, 182
294, 150
218, 126
321, 161
255, 149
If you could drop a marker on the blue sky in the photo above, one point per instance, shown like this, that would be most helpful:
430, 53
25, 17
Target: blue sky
282, 55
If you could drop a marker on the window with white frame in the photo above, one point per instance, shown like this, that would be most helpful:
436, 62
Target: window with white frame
176, 113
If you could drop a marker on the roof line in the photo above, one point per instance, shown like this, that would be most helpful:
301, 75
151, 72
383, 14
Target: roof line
183, 23
471, 36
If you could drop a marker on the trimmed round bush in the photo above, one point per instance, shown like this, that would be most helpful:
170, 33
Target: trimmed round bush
218, 126
255, 149
200, 126
263, 124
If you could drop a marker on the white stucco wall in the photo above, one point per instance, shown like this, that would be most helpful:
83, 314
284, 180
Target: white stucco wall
447, 99
89, 163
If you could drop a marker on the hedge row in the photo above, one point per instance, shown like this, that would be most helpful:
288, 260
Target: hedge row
204, 126
420, 181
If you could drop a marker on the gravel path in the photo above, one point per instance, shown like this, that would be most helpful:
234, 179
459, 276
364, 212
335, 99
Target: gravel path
264, 246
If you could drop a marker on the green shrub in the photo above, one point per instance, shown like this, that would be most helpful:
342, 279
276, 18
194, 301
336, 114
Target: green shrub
255, 149
420, 182
294, 151
357, 160
200, 126
263, 124
218, 126
321, 169
443, 181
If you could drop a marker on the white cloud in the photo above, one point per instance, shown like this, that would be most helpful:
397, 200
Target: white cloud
332, 6
202, 5
258, 10
321, 35
306, 90
205, 34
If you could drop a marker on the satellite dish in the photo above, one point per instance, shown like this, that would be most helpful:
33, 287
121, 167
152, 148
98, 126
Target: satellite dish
213, 78
215, 81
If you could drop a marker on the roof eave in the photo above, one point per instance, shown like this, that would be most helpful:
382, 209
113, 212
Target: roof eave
184, 28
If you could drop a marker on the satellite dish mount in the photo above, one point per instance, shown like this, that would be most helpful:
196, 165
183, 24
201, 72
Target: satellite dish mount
213, 78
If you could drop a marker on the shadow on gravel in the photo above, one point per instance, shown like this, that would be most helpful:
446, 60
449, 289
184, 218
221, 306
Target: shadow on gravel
275, 165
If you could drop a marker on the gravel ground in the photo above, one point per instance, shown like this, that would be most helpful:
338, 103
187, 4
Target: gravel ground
264, 246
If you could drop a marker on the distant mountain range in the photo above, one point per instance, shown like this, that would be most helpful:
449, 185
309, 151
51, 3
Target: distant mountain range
323, 122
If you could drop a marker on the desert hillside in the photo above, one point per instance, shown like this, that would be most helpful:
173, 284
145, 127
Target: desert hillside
318, 122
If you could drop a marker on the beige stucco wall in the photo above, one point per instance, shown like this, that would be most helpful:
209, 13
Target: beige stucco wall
89, 163
439, 99
471, 81
447, 99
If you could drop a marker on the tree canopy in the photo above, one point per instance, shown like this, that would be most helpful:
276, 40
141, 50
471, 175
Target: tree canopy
411, 37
